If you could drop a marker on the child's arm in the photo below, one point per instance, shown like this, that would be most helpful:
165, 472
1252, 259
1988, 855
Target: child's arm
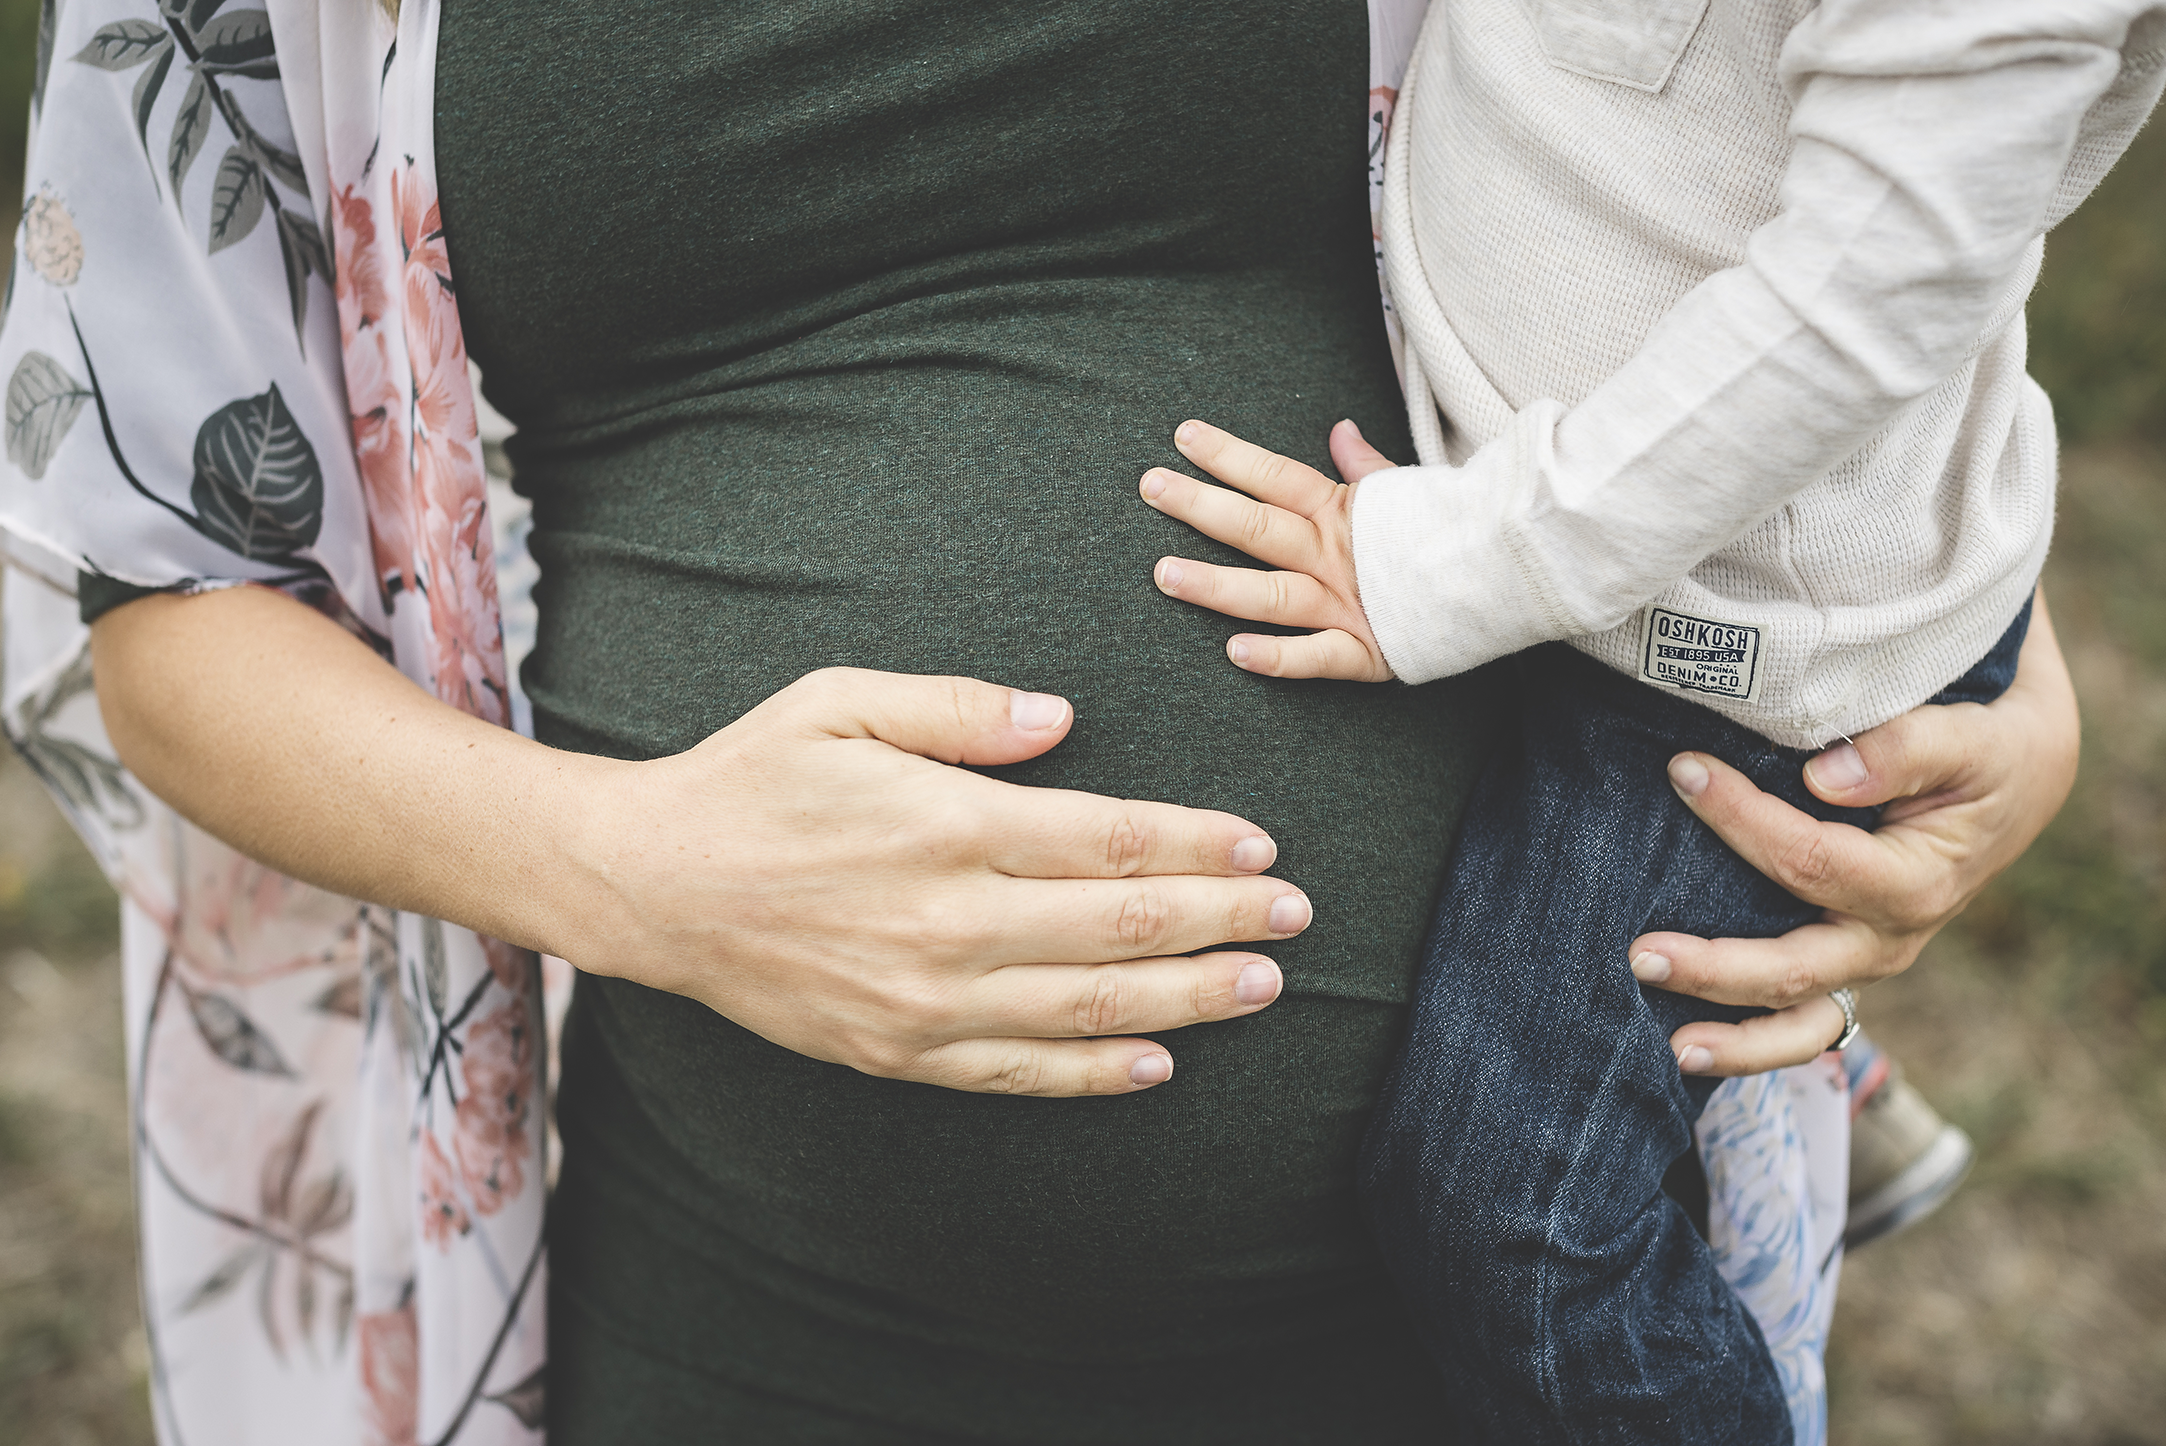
1932, 144
1299, 524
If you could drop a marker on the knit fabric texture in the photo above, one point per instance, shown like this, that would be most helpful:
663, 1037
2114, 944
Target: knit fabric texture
1715, 336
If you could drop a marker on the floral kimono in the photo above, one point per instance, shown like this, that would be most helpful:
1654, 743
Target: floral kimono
233, 356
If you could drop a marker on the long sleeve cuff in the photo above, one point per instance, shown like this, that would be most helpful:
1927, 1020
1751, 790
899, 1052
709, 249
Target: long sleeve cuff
1447, 577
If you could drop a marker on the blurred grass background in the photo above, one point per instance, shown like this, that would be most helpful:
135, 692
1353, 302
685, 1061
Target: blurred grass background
2032, 1309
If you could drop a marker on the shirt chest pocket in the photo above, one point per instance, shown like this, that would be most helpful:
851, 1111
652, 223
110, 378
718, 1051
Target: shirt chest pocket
1629, 42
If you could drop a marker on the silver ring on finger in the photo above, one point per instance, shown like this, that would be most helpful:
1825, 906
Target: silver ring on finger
1848, 1000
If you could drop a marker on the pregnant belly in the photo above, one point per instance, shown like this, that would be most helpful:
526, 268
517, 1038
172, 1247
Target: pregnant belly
936, 508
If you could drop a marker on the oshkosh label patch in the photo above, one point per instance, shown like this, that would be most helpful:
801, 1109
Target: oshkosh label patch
1700, 654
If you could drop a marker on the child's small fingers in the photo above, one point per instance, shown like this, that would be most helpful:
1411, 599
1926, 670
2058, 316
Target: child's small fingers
1332, 653
1266, 533
1276, 479
1768, 1041
1290, 599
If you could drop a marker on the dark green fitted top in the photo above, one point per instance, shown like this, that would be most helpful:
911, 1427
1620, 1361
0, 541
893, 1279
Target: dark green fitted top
840, 334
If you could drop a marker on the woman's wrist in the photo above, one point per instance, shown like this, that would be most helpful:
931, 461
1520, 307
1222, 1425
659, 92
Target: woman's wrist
574, 855
509, 859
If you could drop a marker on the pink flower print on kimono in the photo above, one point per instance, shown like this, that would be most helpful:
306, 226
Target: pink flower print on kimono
1383, 99
373, 394
491, 1137
450, 486
379, 444
465, 630
236, 922
421, 225
359, 284
51, 242
512, 965
443, 396
443, 1217
390, 1375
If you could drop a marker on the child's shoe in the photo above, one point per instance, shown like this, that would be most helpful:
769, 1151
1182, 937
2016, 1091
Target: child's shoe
1904, 1158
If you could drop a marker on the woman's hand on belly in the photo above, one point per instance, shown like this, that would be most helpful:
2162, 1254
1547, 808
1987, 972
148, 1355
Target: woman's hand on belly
816, 871
819, 872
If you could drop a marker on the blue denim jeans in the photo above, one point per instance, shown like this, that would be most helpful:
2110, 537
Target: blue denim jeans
1513, 1170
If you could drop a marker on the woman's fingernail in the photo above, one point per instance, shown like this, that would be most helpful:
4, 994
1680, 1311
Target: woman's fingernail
1188, 432
1254, 855
1151, 1069
1258, 983
1290, 914
1688, 775
1154, 483
1169, 575
1237, 650
1838, 769
1696, 1060
1034, 712
1650, 968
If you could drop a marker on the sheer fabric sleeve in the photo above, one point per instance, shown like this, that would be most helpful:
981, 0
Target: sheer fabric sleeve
175, 405
338, 1109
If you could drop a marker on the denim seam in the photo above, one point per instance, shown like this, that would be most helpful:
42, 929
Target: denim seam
1552, 1388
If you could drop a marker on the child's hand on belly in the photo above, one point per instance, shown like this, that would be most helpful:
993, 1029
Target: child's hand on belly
1300, 524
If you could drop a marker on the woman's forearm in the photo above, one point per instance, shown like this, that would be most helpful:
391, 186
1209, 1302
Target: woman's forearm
816, 870
274, 729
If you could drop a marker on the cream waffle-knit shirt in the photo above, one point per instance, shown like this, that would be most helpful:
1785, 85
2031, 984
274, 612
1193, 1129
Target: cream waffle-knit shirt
1714, 335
